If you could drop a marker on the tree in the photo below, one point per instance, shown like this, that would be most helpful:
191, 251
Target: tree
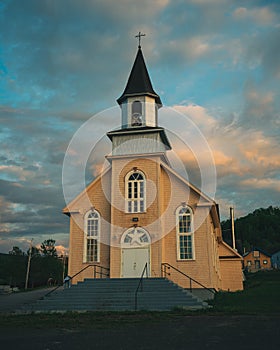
16, 251
34, 252
48, 248
259, 229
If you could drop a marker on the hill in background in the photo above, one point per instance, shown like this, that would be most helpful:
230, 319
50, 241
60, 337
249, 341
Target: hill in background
260, 229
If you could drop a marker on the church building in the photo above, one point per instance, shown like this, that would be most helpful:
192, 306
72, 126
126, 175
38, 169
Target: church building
140, 212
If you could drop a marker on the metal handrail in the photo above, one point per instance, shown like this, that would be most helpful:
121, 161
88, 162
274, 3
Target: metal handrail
95, 273
164, 273
140, 284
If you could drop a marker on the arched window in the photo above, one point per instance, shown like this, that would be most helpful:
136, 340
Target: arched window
135, 237
92, 236
136, 117
135, 192
185, 240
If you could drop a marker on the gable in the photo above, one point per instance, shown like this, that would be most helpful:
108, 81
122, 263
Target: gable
227, 252
196, 196
98, 191
183, 181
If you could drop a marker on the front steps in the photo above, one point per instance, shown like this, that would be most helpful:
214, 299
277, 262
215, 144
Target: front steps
118, 294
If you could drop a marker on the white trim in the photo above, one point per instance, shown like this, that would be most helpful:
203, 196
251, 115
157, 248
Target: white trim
86, 236
194, 188
188, 234
68, 209
138, 199
162, 155
137, 243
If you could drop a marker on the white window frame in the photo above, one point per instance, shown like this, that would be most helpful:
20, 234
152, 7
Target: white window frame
132, 201
189, 232
88, 235
135, 237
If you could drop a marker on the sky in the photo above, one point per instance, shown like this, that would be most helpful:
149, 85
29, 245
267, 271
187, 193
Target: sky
62, 62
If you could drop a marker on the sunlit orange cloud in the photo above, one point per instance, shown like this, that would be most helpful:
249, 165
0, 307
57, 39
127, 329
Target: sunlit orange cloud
198, 115
97, 168
72, 152
260, 150
17, 171
221, 158
267, 183
236, 151
61, 250
264, 158
262, 15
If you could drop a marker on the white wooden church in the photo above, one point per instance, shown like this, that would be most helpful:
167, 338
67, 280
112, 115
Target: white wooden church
149, 213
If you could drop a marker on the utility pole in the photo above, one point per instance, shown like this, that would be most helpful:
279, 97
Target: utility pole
63, 263
232, 227
28, 264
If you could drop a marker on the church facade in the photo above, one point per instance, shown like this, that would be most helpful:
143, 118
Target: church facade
139, 212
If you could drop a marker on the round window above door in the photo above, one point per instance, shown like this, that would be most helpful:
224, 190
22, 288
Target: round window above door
135, 237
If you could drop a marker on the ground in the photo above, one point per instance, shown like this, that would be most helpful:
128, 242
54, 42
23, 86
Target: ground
173, 330
243, 320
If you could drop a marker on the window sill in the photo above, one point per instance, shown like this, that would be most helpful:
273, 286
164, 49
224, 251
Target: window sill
184, 260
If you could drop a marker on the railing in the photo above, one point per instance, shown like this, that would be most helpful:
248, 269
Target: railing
164, 273
97, 270
140, 284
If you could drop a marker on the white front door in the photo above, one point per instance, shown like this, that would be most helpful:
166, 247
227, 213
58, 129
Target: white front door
134, 260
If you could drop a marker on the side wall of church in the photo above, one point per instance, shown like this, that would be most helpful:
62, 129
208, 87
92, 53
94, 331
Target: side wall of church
231, 269
204, 267
231, 273
95, 198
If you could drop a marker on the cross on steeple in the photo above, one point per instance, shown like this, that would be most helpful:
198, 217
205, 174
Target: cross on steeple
139, 38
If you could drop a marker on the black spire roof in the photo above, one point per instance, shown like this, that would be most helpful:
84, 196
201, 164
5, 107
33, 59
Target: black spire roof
139, 82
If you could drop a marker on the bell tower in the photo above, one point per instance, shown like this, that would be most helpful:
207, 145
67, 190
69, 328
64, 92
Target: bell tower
139, 103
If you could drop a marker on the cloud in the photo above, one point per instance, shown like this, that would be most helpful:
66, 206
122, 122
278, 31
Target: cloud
267, 183
64, 61
260, 15
242, 153
16, 172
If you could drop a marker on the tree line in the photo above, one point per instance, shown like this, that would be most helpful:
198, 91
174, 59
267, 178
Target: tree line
45, 265
259, 229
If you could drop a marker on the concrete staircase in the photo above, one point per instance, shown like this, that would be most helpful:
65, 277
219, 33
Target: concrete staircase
118, 294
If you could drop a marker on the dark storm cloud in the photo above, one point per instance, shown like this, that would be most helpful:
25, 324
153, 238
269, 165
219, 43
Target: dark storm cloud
18, 193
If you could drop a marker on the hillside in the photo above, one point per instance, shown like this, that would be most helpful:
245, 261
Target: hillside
258, 229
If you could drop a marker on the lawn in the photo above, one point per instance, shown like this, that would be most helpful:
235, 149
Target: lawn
260, 295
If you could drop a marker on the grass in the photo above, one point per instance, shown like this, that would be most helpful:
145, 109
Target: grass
76, 320
260, 297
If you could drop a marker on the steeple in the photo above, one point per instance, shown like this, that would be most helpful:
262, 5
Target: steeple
139, 102
139, 134
139, 82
